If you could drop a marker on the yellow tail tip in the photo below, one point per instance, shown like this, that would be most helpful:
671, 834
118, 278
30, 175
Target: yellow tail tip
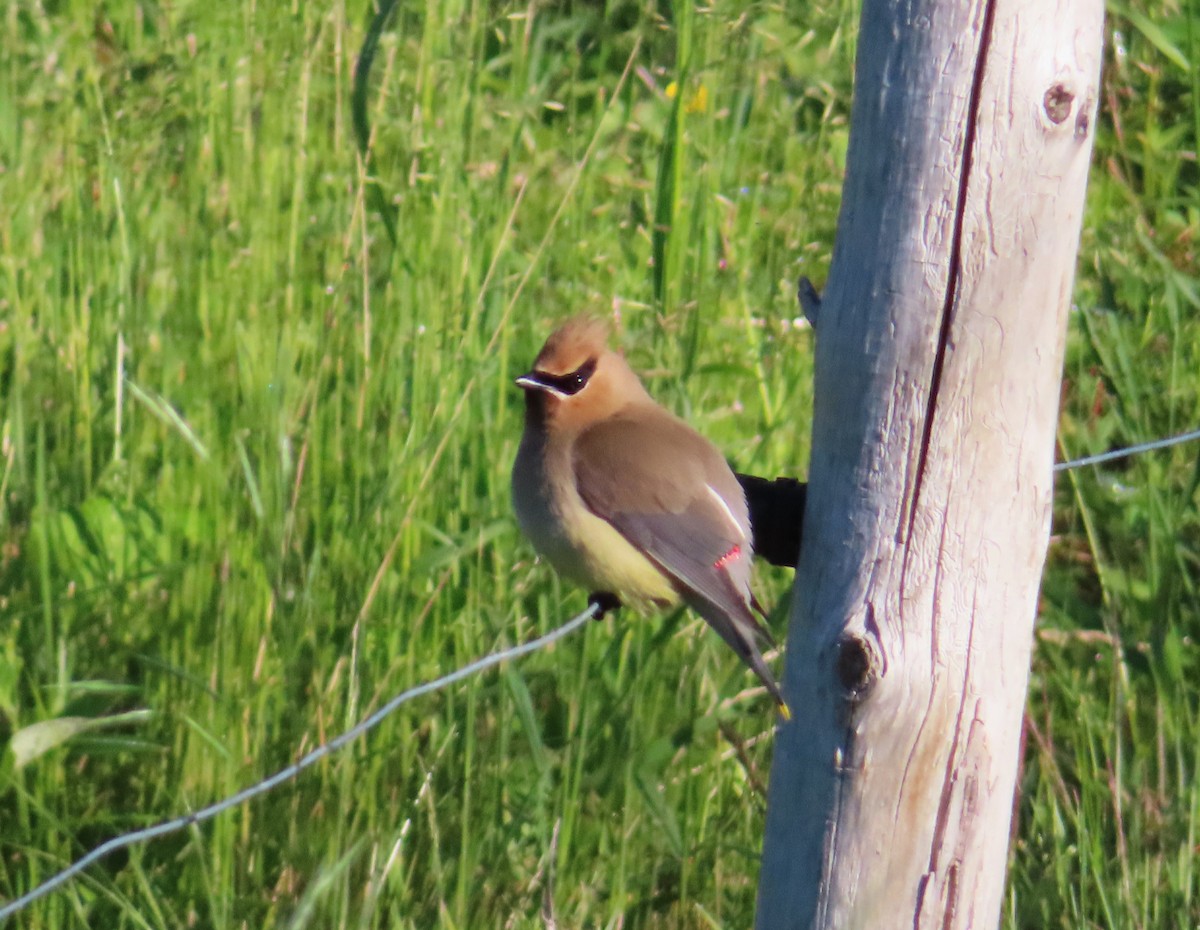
784, 711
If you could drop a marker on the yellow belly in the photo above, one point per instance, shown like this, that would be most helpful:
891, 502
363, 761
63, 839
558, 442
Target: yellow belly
581, 546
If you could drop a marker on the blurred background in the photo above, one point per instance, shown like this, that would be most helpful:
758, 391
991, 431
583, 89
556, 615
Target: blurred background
254, 458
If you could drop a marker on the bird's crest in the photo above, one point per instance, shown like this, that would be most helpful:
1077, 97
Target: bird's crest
571, 345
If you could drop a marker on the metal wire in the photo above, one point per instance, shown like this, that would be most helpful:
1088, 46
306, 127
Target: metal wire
1128, 451
261, 787
515, 652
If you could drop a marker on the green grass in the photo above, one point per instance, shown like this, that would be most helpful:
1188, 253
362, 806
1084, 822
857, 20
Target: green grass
254, 461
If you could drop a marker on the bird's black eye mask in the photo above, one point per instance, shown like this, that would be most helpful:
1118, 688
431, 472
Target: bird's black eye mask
571, 383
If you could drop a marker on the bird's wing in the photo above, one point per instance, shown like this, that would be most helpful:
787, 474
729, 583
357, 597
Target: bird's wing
669, 491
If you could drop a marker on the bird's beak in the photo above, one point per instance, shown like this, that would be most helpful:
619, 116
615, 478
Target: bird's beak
530, 382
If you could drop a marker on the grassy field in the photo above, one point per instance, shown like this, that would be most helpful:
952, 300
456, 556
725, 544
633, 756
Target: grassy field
254, 461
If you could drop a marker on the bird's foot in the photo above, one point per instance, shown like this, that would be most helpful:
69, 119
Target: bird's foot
603, 602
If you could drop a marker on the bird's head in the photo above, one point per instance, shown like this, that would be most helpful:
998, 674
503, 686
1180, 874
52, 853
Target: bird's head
577, 380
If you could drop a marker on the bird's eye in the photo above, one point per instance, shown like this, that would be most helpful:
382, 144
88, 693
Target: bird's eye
573, 382
578, 379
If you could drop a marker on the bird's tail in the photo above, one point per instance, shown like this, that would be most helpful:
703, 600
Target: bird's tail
741, 631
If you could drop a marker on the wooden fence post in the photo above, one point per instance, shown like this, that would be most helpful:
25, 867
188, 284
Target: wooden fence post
938, 363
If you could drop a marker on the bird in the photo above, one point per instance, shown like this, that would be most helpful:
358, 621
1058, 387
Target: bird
625, 499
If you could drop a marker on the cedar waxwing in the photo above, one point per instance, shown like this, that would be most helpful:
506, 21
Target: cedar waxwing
626, 499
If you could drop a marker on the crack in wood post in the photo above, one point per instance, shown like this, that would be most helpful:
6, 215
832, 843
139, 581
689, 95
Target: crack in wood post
955, 261
954, 278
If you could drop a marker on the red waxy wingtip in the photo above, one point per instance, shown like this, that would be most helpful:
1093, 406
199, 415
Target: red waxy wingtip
728, 557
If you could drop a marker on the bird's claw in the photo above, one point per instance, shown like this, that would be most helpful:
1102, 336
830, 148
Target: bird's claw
603, 602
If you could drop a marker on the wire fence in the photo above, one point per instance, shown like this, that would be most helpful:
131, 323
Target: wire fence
309, 760
370, 722
1102, 457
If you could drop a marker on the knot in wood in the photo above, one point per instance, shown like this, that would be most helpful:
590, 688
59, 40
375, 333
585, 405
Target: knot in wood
1057, 103
1083, 122
857, 666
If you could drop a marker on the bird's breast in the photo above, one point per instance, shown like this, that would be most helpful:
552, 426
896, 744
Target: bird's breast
581, 546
